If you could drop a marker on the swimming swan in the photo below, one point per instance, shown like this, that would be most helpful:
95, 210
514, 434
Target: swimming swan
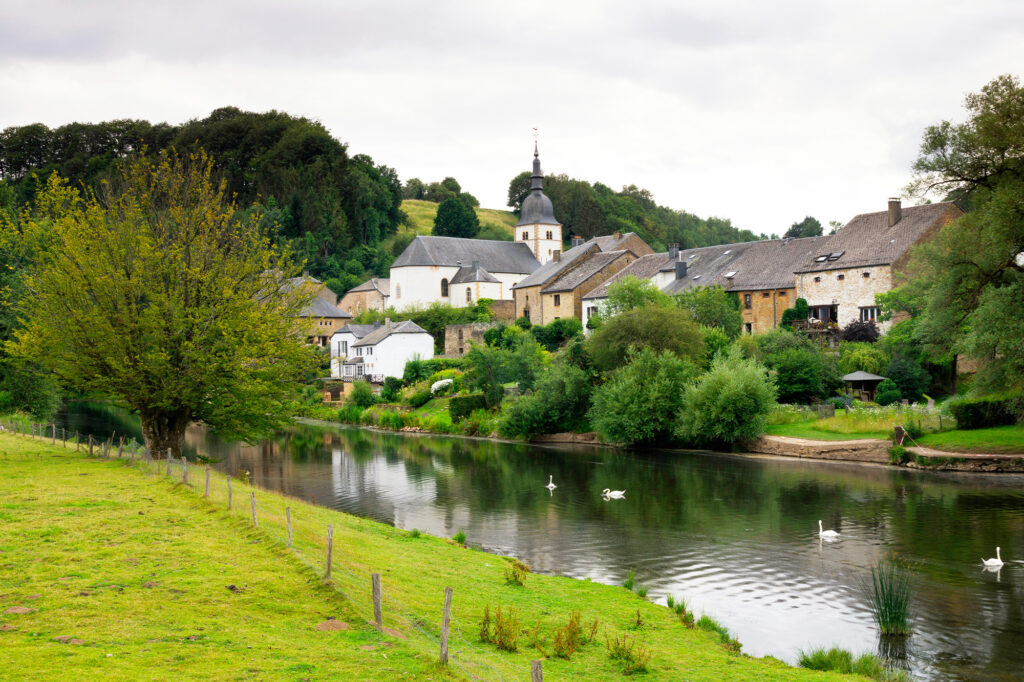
551, 483
827, 534
613, 494
993, 563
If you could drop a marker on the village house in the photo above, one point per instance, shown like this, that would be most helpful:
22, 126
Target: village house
840, 279
458, 337
374, 352
373, 294
322, 315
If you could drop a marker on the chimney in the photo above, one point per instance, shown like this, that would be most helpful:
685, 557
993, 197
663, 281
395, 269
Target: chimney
305, 273
895, 210
680, 269
617, 235
556, 255
577, 240
476, 265
673, 251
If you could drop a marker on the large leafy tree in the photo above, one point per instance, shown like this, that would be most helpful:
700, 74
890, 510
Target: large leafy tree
713, 307
659, 329
808, 227
455, 219
969, 280
156, 293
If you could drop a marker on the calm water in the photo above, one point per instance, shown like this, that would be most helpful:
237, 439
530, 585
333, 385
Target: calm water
737, 537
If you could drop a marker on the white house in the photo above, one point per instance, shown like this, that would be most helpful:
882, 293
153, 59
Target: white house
374, 352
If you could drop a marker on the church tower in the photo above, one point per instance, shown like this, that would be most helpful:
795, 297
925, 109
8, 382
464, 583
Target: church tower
537, 226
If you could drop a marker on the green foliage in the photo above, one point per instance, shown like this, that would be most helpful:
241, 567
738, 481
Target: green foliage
992, 410
842, 661
569, 637
634, 657
460, 537
433, 318
506, 630
716, 342
523, 322
862, 357
419, 399
713, 307
800, 311
418, 370
659, 329
640, 401
898, 455
630, 293
161, 297
559, 403
456, 219
557, 332
799, 374
391, 392
888, 392
489, 368
909, 376
860, 331
808, 227
516, 572
362, 395
709, 624
728, 404
889, 597
461, 406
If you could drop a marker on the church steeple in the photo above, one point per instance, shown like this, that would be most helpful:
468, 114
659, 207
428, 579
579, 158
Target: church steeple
537, 225
537, 179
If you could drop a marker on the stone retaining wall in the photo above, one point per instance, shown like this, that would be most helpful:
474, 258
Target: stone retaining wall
866, 450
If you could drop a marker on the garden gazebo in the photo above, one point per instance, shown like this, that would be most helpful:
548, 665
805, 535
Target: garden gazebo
862, 385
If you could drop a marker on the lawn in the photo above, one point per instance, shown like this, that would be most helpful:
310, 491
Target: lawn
151, 580
493, 221
812, 431
999, 439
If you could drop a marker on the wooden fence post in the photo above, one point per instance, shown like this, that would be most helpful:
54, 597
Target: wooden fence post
446, 620
377, 616
330, 551
78, 441
229, 492
90, 445
288, 518
252, 499
53, 434
207, 493
184, 470
536, 672
120, 448
64, 436
169, 457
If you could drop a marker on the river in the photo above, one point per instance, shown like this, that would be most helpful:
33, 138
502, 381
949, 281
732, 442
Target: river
736, 536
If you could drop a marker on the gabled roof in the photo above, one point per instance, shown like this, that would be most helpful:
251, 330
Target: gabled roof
381, 333
587, 269
644, 267
609, 242
862, 376
494, 256
467, 274
552, 269
869, 240
706, 266
318, 307
378, 284
357, 330
770, 264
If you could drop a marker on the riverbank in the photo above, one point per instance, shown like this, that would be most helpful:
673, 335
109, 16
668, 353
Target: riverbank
148, 578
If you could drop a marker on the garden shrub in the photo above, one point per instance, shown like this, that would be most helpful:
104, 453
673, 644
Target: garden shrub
716, 341
350, 414
419, 399
659, 329
391, 392
461, 406
888, 392
418, 370
860, 331
639, 403
799, 374
992, 410
912, 379
730, 403
559, 403
362, 394
557, 332
799, 311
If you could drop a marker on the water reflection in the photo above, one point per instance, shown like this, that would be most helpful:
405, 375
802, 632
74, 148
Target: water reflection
736, 536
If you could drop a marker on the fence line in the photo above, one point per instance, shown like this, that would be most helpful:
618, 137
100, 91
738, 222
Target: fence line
368, 599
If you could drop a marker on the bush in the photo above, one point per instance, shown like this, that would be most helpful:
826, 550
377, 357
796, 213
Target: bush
716, 341
639, 403
523, 322
461, 406
419, 399
862, 357
362, 395
799, 374
888, 392
992, 410
556, 333
559, 402
912, 379
730, 403
350, 414
391, 392
418, 370
860, 331
799, 311
659, 329
713, 306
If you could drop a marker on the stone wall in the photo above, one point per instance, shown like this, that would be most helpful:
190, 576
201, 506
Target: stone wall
851, 288
865, 450
765, 311
457, 337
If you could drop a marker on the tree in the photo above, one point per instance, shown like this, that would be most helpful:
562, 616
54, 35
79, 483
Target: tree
455, 219
413, 189
659, 329
630, 293
799, 374
970, 276
860, 331
808, 227
912, 379
862, 357
559, 403
887, 392
799, 311
158, 295
713, 307
639, 403
518, 189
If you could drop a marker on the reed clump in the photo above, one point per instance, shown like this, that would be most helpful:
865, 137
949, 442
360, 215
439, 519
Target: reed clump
842, 661
889, 597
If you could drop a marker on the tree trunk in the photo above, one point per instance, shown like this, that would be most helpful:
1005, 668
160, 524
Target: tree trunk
163, 430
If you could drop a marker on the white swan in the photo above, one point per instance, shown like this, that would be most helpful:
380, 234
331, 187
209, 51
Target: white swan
993, 563
551, 483
827, 534
613, 494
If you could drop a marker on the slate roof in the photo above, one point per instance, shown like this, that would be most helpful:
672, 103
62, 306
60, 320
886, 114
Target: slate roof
494, 256
862, 376
577, 276
467, 274
318, 307
868, 239
770, 264
552, 268
643, 267
383, 285
608, 242
706, 266
381, 333
357, 330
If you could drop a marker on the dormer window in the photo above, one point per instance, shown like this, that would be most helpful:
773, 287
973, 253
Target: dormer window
727, 252
821, 259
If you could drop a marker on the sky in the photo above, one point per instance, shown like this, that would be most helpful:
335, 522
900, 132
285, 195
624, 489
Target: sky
759, 112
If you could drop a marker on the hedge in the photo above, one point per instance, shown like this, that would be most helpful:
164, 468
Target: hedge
418, 370
992, 410
463, 405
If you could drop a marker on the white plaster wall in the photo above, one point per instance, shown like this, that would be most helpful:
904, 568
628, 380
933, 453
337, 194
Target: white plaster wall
391, 354
663, 279
421, 285
543, 248
478, 290
588, 303
852, 292
336, 355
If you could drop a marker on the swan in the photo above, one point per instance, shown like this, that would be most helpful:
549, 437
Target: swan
827, 534
613, 494
551, 483
993, 563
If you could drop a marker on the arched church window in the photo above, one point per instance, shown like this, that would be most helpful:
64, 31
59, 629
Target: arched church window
398, 291
469, 295
444, 288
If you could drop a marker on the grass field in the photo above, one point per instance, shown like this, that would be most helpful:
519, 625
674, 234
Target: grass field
997, 440
421, 218
151, 580
861, 422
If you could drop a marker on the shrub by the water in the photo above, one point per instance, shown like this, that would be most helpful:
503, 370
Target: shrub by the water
461, 406
362, 394
516, 572
842, 661
419, 399
460, 537
889, 597
559, 403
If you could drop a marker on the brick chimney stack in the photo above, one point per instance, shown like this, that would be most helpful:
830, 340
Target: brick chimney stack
895, 210
673, 251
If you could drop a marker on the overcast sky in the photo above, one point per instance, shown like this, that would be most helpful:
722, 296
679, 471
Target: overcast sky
761, 112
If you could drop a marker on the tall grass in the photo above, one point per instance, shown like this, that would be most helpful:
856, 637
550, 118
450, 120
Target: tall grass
889, 597
842, 661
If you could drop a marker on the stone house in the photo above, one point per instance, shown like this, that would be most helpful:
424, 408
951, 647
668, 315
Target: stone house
373, 294
457, 337
322, 316
840, 278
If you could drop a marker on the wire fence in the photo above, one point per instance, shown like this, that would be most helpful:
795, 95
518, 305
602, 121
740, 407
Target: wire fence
271, 515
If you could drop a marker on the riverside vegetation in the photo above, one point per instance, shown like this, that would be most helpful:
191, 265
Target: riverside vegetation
121, 570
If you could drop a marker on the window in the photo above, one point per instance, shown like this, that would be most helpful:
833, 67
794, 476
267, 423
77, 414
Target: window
840, 277
460, 336
825, 313
469, 295
869, 313
349, 370
398, 291
591, 310
344, 348
526, 235
782, 293
359, 370
765, 295
558, 299
550, 235
444, 288
866, 274
817, 279
730, 274
748, 327
746, 301
369, 350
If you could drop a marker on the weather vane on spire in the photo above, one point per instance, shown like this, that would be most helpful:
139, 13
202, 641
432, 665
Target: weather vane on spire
535, 141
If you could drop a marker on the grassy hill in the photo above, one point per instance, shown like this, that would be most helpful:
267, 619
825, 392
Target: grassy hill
494, 224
